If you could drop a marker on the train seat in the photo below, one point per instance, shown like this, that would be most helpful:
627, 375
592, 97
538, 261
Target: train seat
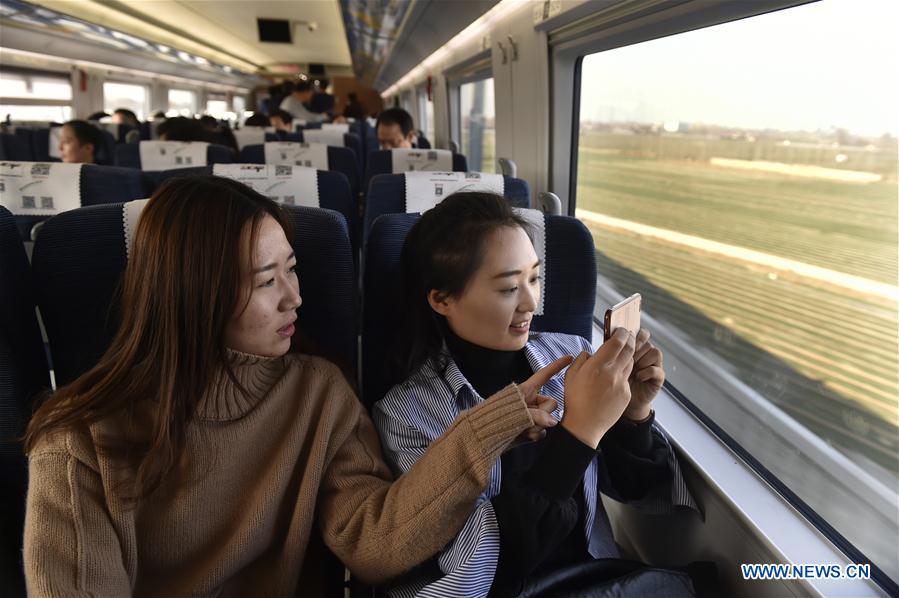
252, 135
154, 156
566, 305
338, 159
389, 193
404, 160
118, 131
23, 374
298, 185
80, 256
336, 138
285, 136
14, 147
64, 187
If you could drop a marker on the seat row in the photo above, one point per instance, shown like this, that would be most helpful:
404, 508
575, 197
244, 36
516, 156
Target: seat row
35, 191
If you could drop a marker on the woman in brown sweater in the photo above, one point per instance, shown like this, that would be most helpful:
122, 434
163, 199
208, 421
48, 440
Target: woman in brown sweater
197, 455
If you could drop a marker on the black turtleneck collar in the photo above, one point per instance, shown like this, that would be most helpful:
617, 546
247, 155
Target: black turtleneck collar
487, 370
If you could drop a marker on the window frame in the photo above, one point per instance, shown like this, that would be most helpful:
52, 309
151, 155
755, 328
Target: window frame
148, 90
194, 92
35, 101
475, 68
577, 34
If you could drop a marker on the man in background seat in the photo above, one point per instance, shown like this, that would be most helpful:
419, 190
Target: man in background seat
396, 129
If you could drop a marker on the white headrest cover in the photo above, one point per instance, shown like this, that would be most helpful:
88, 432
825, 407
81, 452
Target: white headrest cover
130, 216
285, 184
163, 155
310, 155
40, 188
424, 190
406, 160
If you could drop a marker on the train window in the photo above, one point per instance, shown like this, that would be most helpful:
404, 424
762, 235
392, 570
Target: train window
35, 96
182, 102
217, 106
133, 96
750, 195
478, 124
406, 101
426, 114
239, 104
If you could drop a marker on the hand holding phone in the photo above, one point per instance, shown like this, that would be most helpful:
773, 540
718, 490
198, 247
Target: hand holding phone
625, 314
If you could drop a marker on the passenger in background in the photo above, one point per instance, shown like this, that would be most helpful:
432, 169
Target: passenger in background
353, 108
258, 119
281, 120
395, 129
79, 142
97, 116
198, 457
471, 282
297, 103
218, 131
123, 116
322, 102
159, 115
209, 122
181, 128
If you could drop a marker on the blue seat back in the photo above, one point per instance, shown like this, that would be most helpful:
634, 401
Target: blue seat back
41, 146
15, 147
26, 135
23, 375
99, 185
569, 290
340, 159
351, 141
334, 193
128, 155
381, 162
79, 259
387, 195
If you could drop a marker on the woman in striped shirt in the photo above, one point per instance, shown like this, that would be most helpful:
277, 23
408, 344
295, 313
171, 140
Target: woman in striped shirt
471, 285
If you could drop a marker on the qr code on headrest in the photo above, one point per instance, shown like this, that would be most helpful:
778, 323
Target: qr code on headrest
432, 156
289, 200
28, 201
283, 170
46, 202
40, 170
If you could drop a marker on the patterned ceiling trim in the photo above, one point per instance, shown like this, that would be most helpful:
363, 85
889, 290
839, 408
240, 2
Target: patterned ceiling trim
372, 28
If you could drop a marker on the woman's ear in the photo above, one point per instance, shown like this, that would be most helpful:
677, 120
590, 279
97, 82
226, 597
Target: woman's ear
439, 301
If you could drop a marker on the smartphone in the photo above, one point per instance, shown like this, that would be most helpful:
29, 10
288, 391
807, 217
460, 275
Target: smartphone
625, 314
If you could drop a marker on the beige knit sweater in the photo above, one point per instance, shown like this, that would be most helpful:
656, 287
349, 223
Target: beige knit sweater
261, 470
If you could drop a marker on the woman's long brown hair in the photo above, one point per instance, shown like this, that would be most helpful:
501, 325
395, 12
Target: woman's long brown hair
183, 283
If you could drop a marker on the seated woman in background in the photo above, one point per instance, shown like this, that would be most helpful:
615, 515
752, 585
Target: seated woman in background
198, 456
471, 282
79, 142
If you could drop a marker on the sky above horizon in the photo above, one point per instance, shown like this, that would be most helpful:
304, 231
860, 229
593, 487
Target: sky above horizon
833, 63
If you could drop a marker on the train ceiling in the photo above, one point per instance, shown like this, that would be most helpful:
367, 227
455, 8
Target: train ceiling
377, 40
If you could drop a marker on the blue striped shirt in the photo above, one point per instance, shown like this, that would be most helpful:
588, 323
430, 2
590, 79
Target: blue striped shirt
418, 411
